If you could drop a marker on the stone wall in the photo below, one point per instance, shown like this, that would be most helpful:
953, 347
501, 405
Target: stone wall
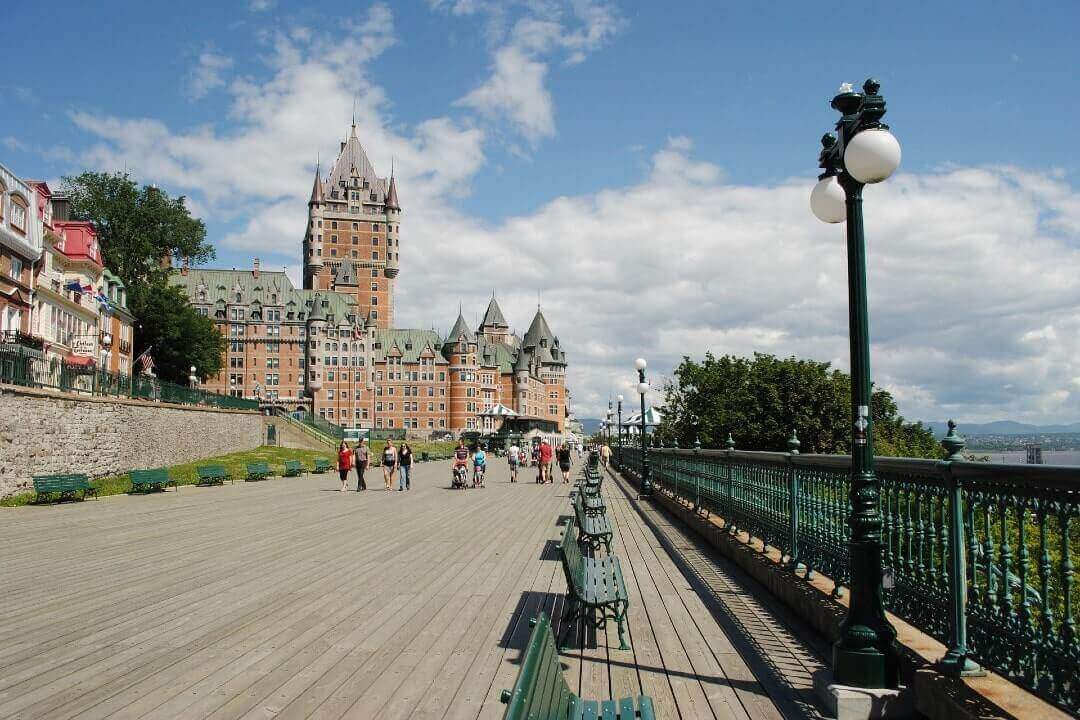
44, 433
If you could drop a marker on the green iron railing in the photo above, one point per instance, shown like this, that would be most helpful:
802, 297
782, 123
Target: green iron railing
1006, 601
20, 368
317, 425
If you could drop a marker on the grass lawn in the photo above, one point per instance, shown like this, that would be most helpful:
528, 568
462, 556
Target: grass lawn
235, 464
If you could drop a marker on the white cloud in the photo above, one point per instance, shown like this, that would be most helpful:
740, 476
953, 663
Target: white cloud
968, 270
527, 37
208, 74
516, 90
260, 5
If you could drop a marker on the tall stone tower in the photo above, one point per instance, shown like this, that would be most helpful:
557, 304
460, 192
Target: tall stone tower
352, 241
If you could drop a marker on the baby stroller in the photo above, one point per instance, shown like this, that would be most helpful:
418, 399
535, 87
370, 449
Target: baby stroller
461, 474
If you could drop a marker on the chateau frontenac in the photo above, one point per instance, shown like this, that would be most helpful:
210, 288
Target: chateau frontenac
331, 348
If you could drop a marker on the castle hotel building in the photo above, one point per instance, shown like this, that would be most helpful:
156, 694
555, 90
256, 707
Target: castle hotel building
330, 348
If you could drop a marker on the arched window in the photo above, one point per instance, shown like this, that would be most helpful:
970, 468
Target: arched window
237, 297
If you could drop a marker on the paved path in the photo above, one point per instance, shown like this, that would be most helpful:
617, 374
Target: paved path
289, 599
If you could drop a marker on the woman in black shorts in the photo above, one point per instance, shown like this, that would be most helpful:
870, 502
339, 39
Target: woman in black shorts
563, 456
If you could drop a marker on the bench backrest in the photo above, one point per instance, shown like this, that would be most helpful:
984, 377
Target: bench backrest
540, 690
579, 508
570, 552
322, 464
152, 476
292, 464
211, 470
61, 482
258, 467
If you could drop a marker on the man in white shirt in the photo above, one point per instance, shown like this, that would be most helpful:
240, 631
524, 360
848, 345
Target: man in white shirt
513, 456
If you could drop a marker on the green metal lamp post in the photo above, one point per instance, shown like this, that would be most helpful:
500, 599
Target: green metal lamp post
642, 388
862, 151
618, 455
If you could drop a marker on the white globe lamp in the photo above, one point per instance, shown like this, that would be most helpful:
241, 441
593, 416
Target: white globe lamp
640, 364
872, 155
642, 388
827, 200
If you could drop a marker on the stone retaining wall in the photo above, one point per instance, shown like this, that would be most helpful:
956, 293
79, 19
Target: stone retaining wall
42, 432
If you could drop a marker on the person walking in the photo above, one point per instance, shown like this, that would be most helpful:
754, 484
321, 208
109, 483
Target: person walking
389, 464
605, 454
361, 459
564, 462
344, 462
513, 457
404, 467
545, 461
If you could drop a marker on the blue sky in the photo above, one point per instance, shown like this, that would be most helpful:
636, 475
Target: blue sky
552, 137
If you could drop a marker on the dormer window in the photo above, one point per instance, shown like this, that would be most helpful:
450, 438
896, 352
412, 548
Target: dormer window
202, 296
237, 298
18, 214
543, 342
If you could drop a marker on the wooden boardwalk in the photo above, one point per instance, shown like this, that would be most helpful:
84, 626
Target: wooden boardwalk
289, 599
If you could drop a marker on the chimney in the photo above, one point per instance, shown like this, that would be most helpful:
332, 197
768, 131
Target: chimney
342, 146
184, 267
255, 271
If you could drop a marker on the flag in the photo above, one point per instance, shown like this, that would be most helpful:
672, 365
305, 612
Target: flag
147, 362
74, 286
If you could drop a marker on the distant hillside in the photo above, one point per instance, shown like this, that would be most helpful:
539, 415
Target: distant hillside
590, 425
1002, 427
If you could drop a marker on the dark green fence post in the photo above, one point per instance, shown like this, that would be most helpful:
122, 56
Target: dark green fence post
697, 465
729, 491
793, 502
956, 661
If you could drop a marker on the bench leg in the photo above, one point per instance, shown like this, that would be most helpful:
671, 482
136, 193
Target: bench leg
620, 617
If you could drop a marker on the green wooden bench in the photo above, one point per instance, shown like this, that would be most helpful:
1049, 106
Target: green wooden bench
293, 468
62, 485
212, 475
322, 465
150, 480
595, 587
540, 690
593, 530
258, 471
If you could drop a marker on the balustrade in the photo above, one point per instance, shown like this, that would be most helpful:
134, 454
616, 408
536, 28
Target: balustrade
1016, 530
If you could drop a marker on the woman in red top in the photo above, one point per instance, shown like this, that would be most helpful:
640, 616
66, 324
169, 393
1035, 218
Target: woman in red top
344, 463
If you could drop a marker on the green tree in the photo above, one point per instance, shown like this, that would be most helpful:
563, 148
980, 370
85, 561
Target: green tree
179, 336
760, 400
139, 228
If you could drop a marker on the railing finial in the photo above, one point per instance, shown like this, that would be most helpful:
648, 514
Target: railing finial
793, 443
730, 444
953, 443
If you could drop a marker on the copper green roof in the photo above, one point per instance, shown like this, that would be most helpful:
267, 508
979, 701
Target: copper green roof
411, 344
270, 289
495, 354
